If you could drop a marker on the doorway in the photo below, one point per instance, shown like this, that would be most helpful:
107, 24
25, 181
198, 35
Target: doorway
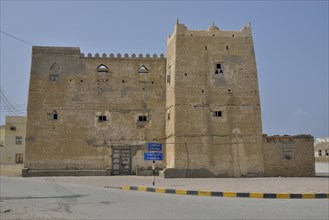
121, 162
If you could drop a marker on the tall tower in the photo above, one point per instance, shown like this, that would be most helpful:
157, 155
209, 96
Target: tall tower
213, 123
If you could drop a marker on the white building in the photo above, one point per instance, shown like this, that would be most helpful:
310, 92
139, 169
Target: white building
12, 143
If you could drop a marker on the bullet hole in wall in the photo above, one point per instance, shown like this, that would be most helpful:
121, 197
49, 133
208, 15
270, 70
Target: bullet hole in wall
81, 80
152, 82
70, 80
123, 81
185, 74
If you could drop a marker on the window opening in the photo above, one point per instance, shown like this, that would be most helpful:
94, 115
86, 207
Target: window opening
320, 153
142, 118
143, 69
288, 151
19, 140
19, 158
102, 69
54, 77
217, 113
218, 69
102, 118
13, 128
326, 152
54, 115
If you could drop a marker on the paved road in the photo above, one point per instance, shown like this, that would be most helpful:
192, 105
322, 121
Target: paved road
264, 185
23, 198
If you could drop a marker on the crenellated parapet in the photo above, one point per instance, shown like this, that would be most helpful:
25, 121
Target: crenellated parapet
119, 56
212, 31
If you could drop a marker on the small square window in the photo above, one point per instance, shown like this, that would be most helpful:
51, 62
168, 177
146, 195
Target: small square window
217, 114
320, 153
13, 128
102, 118
53, 77
142, 118
19, 140
218, 66
54, 115
326, 152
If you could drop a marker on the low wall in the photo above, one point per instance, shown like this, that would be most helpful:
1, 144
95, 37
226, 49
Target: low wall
289, 155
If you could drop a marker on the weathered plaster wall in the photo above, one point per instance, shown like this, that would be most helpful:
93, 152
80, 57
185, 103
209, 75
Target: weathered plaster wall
230, 145
300, 164
10, 148
77, 140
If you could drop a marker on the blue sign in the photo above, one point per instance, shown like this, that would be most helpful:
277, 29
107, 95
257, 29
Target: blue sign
154, 146
153, 156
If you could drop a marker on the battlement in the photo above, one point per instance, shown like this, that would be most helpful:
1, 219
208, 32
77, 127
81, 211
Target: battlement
75, 51
119, 56
212, 31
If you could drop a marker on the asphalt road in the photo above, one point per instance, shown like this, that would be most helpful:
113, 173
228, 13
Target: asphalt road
27, 198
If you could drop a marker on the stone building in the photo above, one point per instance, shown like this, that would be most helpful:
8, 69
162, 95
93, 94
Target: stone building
12, 144
93, 115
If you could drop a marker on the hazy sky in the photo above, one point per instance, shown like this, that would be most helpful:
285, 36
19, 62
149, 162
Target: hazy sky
290, 38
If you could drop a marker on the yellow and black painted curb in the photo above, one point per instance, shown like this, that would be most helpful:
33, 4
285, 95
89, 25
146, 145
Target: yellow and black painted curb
228, 194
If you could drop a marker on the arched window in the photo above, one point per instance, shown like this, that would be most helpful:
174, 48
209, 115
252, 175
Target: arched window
143, 69
102, 69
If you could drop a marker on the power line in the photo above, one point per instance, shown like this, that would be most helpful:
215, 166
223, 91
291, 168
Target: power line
9, 105
17, 38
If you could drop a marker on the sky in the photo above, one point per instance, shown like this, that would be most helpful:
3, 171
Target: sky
290, 39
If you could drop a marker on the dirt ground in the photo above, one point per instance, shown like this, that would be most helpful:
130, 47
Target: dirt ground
11, 170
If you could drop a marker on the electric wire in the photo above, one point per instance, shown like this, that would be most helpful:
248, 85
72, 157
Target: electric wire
17, 38
8, 105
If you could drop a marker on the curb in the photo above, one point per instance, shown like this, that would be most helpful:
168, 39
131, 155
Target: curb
255, 195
